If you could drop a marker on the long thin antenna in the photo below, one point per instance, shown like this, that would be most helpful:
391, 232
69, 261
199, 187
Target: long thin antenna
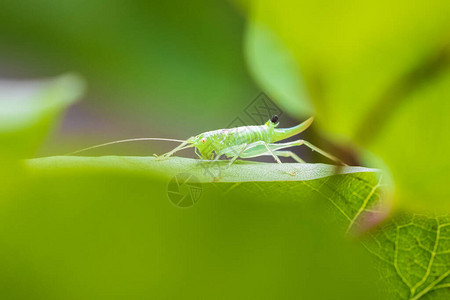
125, 141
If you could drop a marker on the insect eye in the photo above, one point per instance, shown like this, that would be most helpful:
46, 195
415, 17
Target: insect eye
274, 119
203, 140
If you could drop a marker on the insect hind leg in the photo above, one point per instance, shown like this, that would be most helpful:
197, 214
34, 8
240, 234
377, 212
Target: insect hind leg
320, 151
291, 155
271, 150
235, 152
280, 146
259, 148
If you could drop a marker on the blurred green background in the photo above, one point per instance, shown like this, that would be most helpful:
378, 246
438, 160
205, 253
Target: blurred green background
154, 68
77, 73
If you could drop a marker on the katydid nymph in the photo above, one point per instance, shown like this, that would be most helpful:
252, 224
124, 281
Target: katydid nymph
241, 142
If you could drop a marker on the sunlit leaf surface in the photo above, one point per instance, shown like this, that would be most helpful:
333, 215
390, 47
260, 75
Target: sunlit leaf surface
376, 80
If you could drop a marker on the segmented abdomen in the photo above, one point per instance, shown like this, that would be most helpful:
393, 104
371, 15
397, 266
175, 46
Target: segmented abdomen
224, 138
250, 134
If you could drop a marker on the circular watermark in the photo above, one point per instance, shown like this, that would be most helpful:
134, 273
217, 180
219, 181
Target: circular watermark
184, 190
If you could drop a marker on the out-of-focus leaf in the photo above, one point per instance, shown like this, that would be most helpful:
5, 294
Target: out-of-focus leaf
119, 203
351, 54
414, 147
378, 80
28, 109
104, 227
276, 69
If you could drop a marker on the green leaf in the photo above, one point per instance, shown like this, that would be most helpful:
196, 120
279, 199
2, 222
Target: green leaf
260, 239
413, 146
375, 80
29, 109
241, 171
275, 69
412, 252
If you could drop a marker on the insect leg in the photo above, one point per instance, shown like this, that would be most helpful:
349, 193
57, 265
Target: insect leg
262, 151
257, 149
198, 153
327, 155
272, 153
243, 147
291, 155
310, 146
271, 149
170, 153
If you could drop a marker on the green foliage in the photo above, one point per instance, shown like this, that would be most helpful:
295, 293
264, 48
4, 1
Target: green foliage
113, 215
414, 253
28, 111
103, 227
250, 206
378, 81
275, 68
375, 79
106, 225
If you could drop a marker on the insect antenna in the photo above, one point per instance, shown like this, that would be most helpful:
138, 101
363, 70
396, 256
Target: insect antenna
126, 141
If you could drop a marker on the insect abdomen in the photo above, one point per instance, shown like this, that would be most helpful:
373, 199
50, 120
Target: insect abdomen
251, 134
224, 138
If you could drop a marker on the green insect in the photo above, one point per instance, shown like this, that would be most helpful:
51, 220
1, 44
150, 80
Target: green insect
241, 142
